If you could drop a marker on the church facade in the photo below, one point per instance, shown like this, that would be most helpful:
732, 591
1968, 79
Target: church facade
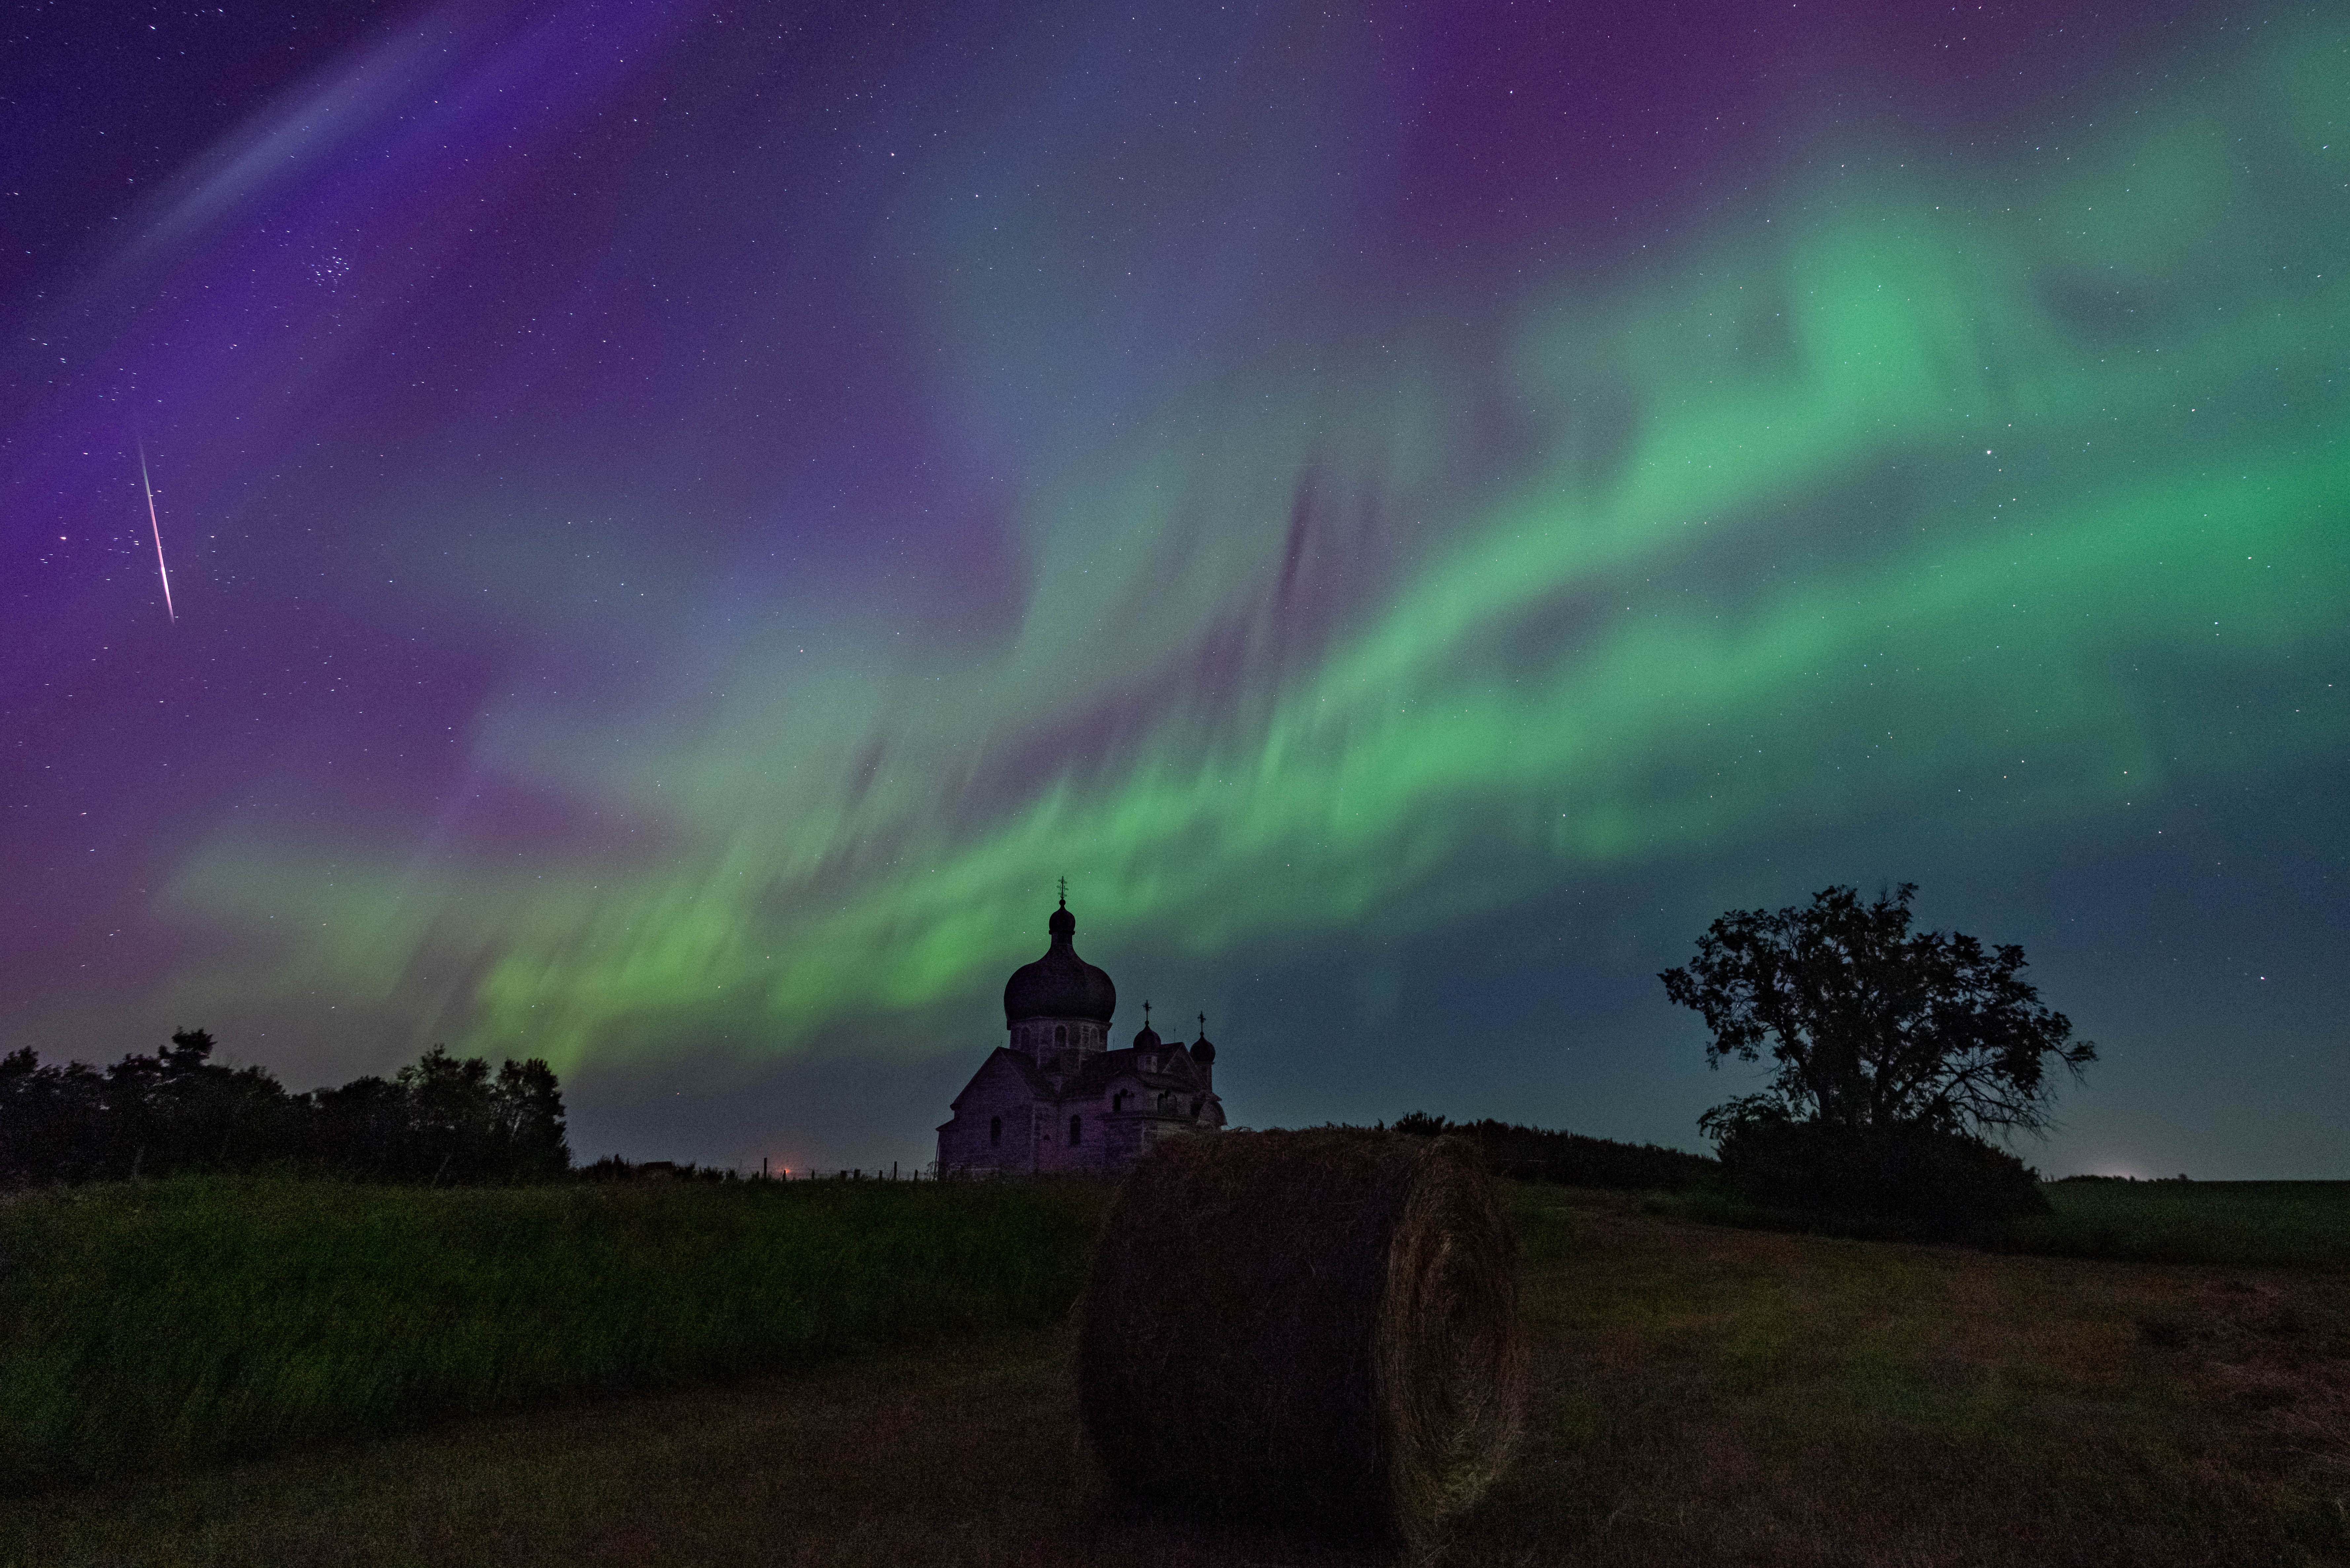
1057, 1097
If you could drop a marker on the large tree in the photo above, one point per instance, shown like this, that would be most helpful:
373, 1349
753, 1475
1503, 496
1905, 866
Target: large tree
1874, 1026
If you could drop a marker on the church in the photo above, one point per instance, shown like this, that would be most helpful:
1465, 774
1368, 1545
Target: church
1058, 1098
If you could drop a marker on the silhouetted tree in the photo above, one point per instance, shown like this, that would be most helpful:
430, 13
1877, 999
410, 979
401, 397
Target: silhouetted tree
440, 1118
456, 1122
530, 1121
451, 1118
178, 1110
53, 1122
1872, 1025
1896, 1051
360, 1129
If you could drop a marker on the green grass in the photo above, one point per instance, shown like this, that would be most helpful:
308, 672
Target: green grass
2228, 1224
204, 1318
2220, 1224
1704, 1394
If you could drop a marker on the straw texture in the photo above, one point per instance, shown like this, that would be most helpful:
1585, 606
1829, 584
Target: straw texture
1312, 1331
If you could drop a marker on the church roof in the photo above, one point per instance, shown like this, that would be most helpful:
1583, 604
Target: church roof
1060, 984
1103, 1068
1094, 1076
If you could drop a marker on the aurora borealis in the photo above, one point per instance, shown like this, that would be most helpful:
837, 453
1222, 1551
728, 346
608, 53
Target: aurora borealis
683, 527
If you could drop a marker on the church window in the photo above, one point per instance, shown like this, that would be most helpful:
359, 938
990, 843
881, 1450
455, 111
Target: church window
1117, 1101
1060, 1035
995, 1132
1076, 1126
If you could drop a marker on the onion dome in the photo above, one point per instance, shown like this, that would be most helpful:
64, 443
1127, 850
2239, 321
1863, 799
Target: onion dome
1146, 1038
1203, 1050
1060, 984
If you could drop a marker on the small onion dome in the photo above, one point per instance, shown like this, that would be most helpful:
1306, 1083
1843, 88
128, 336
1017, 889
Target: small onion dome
1060, 984
1146, 1038
1203, 1051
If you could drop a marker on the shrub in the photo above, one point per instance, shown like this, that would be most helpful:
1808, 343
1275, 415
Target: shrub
1570, 1159
1912, 1179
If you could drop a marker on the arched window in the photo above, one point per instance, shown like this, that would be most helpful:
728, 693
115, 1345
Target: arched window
1076, 1124
1060, 1035
994, 1132
1117, 1101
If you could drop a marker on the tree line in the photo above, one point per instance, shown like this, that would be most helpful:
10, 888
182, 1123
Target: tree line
442, 1118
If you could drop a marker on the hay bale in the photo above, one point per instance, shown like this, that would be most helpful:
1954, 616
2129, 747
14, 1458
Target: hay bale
1308, 1331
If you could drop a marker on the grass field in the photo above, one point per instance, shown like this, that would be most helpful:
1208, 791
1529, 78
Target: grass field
2230, 1224
1706, 1395
2224, 1224
150, 1327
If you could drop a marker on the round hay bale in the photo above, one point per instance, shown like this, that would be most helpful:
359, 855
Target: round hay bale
1310, 1331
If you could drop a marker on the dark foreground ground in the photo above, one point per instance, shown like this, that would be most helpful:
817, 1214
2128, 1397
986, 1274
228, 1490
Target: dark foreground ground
1705, 1396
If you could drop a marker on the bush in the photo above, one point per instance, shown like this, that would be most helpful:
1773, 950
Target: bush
1569, 1159
1914, 1180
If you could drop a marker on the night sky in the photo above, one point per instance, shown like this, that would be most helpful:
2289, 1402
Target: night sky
681, 526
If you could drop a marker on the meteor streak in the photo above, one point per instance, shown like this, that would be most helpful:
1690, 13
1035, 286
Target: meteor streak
157, 524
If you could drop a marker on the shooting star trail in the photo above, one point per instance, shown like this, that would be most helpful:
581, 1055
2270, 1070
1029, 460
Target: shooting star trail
156, 523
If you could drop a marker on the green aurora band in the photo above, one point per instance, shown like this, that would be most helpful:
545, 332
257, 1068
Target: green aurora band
1998, 496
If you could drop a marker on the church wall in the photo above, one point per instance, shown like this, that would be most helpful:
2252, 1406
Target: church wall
1054, 1150
1112, 1142
1131, 1140
1120, 1120
962, 1142
1036, 1135
964, 1146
